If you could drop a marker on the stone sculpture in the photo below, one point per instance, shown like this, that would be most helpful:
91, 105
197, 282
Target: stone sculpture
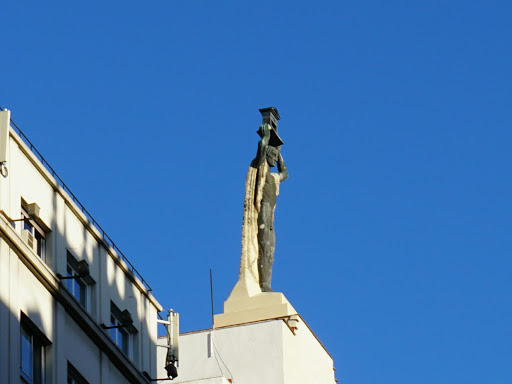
252, 298
261, 190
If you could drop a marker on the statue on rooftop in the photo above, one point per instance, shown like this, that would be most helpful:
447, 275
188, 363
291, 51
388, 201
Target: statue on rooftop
261, 190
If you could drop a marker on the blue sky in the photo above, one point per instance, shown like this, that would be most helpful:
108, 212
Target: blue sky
393, 231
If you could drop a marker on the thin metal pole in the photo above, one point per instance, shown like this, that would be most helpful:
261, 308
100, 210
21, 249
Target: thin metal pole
211, 292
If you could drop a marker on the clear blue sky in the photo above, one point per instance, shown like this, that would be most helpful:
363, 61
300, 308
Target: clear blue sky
394, 236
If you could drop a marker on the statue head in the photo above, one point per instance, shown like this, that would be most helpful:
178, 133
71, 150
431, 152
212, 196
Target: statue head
272, 155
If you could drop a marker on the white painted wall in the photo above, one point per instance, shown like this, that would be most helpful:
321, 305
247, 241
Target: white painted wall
254, 353
305, 359
30, 289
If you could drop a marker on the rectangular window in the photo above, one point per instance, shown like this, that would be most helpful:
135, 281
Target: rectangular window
74, 377
28, 349
34, 235
125, 332
79, 286
120, 335
32, 352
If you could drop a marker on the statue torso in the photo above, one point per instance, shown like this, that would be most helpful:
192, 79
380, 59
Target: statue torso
269, 190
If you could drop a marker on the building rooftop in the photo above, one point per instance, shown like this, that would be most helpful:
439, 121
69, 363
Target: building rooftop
90, 218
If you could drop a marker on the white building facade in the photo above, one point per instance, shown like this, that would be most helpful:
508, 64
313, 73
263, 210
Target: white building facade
273, 351
54, 330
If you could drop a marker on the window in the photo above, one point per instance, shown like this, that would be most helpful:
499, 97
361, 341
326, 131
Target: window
77, 287
80, 287
124, 333
32, 354
74, 377
31, 357
120, 335
33, 233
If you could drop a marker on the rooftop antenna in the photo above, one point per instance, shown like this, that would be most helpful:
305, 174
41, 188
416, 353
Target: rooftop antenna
211, 292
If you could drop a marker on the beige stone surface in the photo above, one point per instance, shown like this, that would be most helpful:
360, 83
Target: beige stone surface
263, 306
248, 281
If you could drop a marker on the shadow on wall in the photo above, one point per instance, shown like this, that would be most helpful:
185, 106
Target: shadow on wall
55, 347
112, 285
21, 331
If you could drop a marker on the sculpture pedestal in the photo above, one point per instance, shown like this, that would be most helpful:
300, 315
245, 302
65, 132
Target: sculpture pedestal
247, 309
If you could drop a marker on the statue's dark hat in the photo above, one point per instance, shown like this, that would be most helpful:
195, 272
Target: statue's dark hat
271, 117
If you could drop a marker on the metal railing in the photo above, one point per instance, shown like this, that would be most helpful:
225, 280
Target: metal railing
91, 219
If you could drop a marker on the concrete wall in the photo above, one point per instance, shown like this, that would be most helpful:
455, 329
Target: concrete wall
30, 285
254, 353
304, 358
